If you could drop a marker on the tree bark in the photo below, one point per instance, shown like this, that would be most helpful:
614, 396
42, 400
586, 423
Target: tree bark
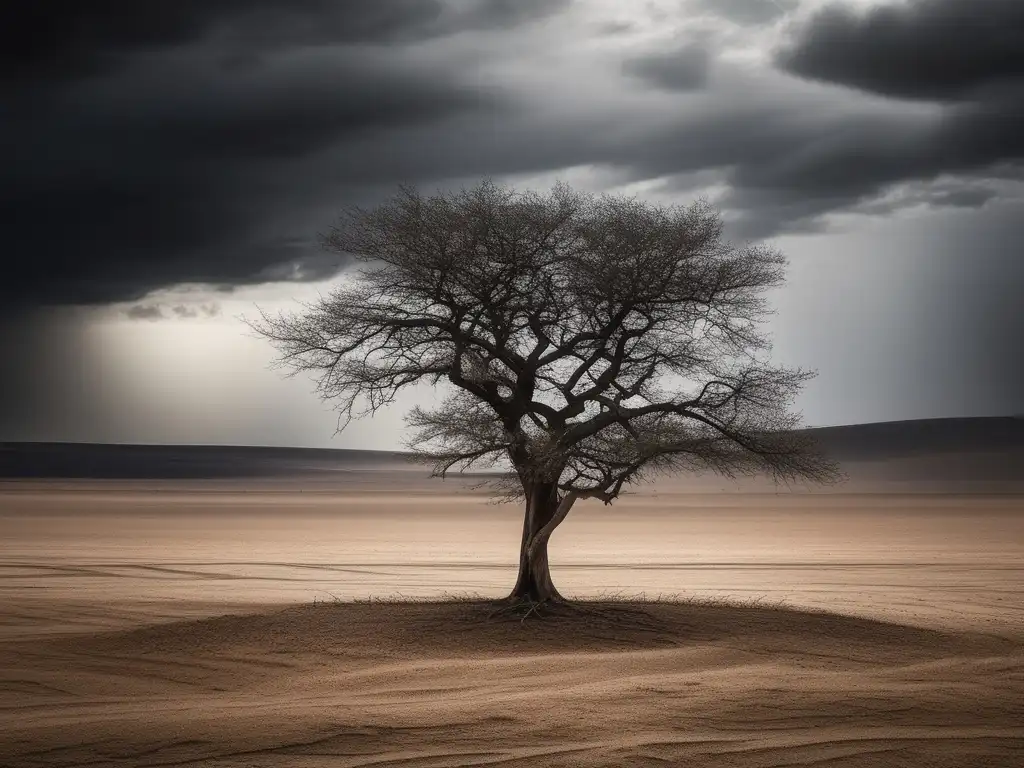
534, 580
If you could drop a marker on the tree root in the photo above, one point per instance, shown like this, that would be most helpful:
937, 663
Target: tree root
599, 616
523, 608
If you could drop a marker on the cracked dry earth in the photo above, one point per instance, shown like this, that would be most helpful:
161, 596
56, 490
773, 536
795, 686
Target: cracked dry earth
435, 684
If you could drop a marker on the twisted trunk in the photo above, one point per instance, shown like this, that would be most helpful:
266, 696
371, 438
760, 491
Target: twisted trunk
544, 511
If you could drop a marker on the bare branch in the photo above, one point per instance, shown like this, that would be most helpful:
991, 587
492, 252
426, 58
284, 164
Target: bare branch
584, 341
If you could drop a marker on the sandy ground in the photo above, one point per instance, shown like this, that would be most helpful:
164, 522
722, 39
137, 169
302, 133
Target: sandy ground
175, 624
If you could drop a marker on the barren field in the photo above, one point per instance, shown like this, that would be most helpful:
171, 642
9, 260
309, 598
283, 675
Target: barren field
211, 623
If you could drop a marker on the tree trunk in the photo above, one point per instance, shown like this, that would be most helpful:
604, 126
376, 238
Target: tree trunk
534, 581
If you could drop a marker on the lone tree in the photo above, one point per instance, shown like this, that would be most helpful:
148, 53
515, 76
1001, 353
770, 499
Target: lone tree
589, 341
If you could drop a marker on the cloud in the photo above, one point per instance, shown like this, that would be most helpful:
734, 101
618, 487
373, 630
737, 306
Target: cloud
207, 142
614, 28
181, 170
966, 57
75, 39
942, 50
942, 193
159, 311
145, 312
210, 149
752, 12
782, 157
68, 39
685, 69
201, 310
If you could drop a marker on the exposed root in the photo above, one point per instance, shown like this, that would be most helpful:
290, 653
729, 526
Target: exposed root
523, 608
592, 617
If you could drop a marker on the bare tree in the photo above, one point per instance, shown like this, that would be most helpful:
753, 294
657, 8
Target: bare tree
589, 341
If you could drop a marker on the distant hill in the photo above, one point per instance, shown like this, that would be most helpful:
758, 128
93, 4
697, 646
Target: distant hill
903, 439
975, 455
102, 461
966, 454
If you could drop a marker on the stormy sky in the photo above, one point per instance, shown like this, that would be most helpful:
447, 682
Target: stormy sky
168, 165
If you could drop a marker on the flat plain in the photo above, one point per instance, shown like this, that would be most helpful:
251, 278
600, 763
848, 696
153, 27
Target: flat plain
310, 622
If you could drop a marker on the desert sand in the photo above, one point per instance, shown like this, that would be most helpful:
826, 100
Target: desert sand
438, 685
239, 622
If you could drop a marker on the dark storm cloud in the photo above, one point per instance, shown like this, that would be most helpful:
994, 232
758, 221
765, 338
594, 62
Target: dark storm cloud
158, 177
685, 69
80, 38
210, 147
157, 144
943, 193
927, 49
968, 55
857, 161
786, 166
790, 162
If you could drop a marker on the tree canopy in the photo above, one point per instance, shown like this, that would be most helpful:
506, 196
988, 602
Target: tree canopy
587, 340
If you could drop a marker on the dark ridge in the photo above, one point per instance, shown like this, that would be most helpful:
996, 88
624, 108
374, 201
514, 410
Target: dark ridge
183, 462
967, 448
923, 437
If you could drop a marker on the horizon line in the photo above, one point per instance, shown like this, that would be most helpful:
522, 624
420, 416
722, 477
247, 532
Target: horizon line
410, 453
